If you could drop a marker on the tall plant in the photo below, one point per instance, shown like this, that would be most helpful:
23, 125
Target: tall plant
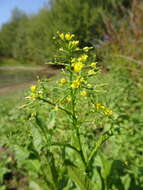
67, 146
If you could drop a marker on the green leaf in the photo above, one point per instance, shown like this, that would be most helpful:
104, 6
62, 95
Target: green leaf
106, 166
34, 186
79, 178
96, 180
21, 154
33, 165
126, 181
51, 121
37, 139
50, 170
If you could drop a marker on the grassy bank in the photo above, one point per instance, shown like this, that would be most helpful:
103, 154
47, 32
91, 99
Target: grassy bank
9, 62
124, 149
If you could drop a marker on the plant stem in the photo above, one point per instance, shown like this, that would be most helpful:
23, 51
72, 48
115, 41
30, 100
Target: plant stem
75, 122
53, 104
66, 145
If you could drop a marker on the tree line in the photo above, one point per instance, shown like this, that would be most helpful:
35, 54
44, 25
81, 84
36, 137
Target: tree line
30, 37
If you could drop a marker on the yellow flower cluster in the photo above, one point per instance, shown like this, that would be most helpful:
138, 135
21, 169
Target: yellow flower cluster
73, 44
108, 111
33, 88
83, 58
76, 83
35, 93
62, 36
105, 110
68, 36
77, 63
77, 67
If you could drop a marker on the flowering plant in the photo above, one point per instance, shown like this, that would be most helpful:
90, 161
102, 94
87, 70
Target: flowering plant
70, 134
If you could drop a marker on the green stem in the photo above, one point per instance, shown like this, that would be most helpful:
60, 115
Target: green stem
75, 122
66, 145
41, 128
80, 146
53, 104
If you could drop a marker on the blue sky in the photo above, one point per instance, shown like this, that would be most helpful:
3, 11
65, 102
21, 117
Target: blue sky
29, 6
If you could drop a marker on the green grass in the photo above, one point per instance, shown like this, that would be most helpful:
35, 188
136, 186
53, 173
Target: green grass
12, 98
9, 62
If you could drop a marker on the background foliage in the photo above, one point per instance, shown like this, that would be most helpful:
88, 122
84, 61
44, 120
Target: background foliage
30, 37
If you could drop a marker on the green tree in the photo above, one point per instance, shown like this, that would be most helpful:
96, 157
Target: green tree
8, 33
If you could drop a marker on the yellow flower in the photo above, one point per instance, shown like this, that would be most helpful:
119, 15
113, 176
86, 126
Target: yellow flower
86, 49
83, 93
81, 79
89, 86
68, 99
83, 58
63, 81
62, 36
108, 111
33, 88
100, 107
69, 36
73, 44
91, 72
93, 64
76, 83
79, 60
78, 67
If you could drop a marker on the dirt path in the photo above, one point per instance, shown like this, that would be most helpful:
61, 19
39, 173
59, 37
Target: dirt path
24, 68
14, 88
